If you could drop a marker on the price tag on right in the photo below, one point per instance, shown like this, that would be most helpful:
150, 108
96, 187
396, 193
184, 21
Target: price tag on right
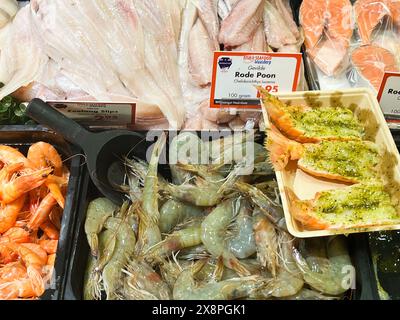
389, 96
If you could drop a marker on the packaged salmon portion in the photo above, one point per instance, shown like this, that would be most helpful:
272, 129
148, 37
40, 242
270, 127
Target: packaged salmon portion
351, 44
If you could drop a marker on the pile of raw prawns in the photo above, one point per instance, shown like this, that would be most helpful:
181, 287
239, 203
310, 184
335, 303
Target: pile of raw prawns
32, 198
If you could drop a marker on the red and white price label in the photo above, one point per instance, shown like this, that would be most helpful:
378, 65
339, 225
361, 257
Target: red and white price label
97, 113
389, 96
236, 75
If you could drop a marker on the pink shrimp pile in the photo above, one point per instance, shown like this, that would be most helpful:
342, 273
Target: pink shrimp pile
32, 191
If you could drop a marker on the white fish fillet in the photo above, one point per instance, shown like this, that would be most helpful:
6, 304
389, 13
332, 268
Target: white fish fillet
201, 53
258, 43
242, 22
161, 52
111, 61
208, 13
276, 29
285, 10
21, 58
193, 95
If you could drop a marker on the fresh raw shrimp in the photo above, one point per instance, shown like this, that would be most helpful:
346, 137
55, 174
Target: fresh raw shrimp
50, 230
16, 235
237, 151
328, 277
212, 271
186, 288
50, 246
186, 147
9, 155
149, 232
272, 210
194, 253
107, 243
289, 280
98, 212
133, 220
124, 248
42, 212
206, 192
9, 213
143, 283
250, 264
174, 212
214, 229
266, 242
133, 189
242, 243
171, 269
201, 195
13, 187
176, 241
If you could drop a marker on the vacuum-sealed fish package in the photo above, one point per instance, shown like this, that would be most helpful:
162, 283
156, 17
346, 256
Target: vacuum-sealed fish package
351, 43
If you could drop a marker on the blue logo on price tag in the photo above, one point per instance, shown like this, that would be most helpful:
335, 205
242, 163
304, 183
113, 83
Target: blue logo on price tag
225, 63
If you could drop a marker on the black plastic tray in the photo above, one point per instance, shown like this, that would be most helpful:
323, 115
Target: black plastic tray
366, 287
22, 137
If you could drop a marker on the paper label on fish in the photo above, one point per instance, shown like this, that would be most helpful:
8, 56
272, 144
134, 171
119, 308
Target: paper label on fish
97, 113
236, 75
389, 96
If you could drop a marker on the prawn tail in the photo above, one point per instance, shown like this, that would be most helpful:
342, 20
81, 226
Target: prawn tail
302, 212
97, 285
236, 266
36, 281
219, 270
8, 291
92, 290
281, 149
56, 193
135, 293
300, 262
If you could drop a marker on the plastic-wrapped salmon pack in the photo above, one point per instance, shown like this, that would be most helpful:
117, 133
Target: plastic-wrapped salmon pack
351, 43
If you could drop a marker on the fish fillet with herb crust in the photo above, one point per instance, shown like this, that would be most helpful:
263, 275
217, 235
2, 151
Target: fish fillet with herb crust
348, 161
306, 124
358, 206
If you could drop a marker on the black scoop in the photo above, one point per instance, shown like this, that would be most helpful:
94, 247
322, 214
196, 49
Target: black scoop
104, 150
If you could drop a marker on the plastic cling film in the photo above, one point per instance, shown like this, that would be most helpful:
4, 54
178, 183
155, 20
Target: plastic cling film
351, 43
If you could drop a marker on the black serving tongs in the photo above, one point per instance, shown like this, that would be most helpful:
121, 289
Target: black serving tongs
104, 151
